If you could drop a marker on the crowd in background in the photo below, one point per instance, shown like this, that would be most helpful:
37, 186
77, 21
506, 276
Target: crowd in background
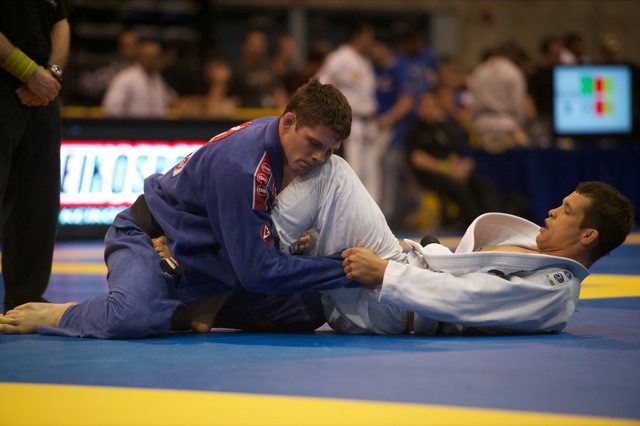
416, 115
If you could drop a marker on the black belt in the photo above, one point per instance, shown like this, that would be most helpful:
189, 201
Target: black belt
408, 329
145, 220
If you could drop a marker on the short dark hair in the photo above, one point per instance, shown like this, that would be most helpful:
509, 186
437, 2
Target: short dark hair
317, 104
572, 37
357, 28
609, 212
546, 42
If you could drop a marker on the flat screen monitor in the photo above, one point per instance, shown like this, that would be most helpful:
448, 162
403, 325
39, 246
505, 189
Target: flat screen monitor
592, 100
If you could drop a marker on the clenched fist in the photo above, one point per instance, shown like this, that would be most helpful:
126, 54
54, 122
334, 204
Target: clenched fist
363, 265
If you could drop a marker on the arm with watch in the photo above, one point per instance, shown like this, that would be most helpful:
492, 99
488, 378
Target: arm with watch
42, 83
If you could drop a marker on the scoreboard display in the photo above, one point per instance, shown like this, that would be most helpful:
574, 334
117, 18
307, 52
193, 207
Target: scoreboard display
593, 100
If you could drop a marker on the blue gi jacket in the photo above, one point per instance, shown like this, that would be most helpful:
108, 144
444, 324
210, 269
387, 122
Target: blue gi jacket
215, 209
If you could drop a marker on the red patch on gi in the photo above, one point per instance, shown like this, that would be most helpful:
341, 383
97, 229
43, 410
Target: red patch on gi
178, 168
265, 233
261, 177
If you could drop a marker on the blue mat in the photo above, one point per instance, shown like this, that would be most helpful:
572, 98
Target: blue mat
590, 369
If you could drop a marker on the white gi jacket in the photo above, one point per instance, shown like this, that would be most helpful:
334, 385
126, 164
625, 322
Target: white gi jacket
490, 291
493, 292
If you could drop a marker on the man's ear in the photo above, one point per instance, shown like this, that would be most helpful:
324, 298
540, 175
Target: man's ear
589, 236
289, 120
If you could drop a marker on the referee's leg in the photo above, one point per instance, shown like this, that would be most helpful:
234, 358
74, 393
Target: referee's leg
31, 207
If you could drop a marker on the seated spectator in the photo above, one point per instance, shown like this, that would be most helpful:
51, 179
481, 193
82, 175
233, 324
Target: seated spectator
254, 83
140, 90
218, 74
284, 59
182, 69
436, 150
92, 84
216, 101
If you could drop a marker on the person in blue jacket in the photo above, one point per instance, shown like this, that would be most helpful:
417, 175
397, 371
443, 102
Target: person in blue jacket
214, 208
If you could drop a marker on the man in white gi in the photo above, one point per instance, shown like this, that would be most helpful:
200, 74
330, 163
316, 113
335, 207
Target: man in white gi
350, 70
506, 275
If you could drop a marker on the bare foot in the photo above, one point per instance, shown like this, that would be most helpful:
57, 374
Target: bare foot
25, 319
203, 313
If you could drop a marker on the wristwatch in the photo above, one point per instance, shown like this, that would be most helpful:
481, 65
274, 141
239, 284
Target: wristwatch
56, 71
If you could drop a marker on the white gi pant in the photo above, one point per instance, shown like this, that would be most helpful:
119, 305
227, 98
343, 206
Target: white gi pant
364, 150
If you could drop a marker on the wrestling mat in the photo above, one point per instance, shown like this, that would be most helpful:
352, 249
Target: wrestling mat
587, 375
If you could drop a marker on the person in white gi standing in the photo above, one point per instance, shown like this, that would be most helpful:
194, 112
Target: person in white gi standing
351, 71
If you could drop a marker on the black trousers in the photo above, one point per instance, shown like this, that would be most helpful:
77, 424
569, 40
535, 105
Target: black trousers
29, 194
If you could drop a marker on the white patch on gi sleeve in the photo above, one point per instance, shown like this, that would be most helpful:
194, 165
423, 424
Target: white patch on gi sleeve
556, 278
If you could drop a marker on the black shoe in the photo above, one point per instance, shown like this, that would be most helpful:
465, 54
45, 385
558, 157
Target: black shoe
429, 239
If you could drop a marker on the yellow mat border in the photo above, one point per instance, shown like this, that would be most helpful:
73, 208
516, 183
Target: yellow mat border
607, 286
43, 404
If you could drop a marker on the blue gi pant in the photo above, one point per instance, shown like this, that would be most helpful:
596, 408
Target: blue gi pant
142, 299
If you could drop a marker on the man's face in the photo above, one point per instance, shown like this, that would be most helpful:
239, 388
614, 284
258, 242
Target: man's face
562, 227
306, 148
150, 56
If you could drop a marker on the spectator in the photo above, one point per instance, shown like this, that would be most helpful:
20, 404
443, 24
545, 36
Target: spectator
611, 52
453, 92
394, 106
254, 83
93, 84
128, 45
217, 101
420, 63
349, 69
540, 90
437, 152
284, 59
140, 90
318, 51
182, 69
575, 50
498, 90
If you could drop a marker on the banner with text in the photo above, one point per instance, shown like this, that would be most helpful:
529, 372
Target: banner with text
101, 178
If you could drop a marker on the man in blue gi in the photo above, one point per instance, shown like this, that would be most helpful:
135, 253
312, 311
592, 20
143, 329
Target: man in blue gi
214, 209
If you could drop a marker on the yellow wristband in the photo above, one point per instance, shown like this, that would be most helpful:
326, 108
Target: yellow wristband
444, 167
20, 65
